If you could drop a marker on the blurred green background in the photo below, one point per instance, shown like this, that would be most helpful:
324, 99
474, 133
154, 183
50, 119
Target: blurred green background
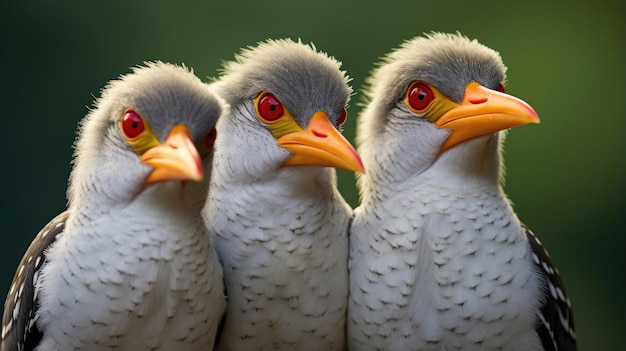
565, 175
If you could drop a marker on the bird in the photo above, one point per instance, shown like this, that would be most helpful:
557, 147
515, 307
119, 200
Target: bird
129, 264
439, 260
278, 222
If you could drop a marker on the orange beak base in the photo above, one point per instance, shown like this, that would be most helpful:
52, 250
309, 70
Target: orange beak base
320, 144
175, 159
482, 112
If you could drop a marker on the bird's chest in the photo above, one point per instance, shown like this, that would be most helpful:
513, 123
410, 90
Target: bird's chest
288, 238
285, 268
446, 268
133, 286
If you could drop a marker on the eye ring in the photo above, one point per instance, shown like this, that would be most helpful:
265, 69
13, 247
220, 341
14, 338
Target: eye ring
419, 96
210, 137
343, 117
269, 109
132, 124
205, 144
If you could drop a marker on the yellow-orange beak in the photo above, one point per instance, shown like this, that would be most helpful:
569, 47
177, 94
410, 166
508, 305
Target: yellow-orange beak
482, 112
175, 159
320, 144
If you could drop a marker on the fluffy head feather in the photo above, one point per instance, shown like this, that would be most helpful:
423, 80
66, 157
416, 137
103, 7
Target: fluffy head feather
165, 95
447, 61
304, 79
387, 129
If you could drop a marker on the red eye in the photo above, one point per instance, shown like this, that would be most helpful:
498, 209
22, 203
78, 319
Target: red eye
343, 116
209, 138
269, 108
419, 96
132, 124
500, 88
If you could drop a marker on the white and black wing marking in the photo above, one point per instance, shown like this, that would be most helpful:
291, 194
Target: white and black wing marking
19, 328
556, 321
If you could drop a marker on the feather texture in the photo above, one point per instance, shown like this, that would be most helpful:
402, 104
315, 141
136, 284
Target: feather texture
129, 265
438, 258
280, 232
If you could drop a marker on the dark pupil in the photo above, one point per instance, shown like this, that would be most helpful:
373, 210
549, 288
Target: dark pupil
135, 124
421, 96
272, 107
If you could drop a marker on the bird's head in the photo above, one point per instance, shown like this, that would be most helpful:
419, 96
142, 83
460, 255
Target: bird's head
288, 104
149, 129
434, 96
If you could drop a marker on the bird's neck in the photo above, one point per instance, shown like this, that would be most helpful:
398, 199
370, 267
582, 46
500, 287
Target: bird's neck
157, 203
475, 164
476, 161
275, 180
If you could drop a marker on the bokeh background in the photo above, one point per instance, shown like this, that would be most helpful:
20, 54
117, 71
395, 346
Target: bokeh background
565, 175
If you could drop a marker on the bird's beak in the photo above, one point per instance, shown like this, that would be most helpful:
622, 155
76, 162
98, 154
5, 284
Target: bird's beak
175, 159
320, 144
482, 112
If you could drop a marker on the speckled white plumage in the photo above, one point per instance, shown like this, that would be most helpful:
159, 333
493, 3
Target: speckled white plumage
438, 258
441, 264
283, 244
280, 232
140, 277
132, 266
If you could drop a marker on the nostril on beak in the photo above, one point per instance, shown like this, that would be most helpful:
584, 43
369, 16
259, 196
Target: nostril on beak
477, 101
319, 135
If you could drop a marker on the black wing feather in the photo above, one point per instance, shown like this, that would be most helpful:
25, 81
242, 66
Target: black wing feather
19, 330
556, 321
